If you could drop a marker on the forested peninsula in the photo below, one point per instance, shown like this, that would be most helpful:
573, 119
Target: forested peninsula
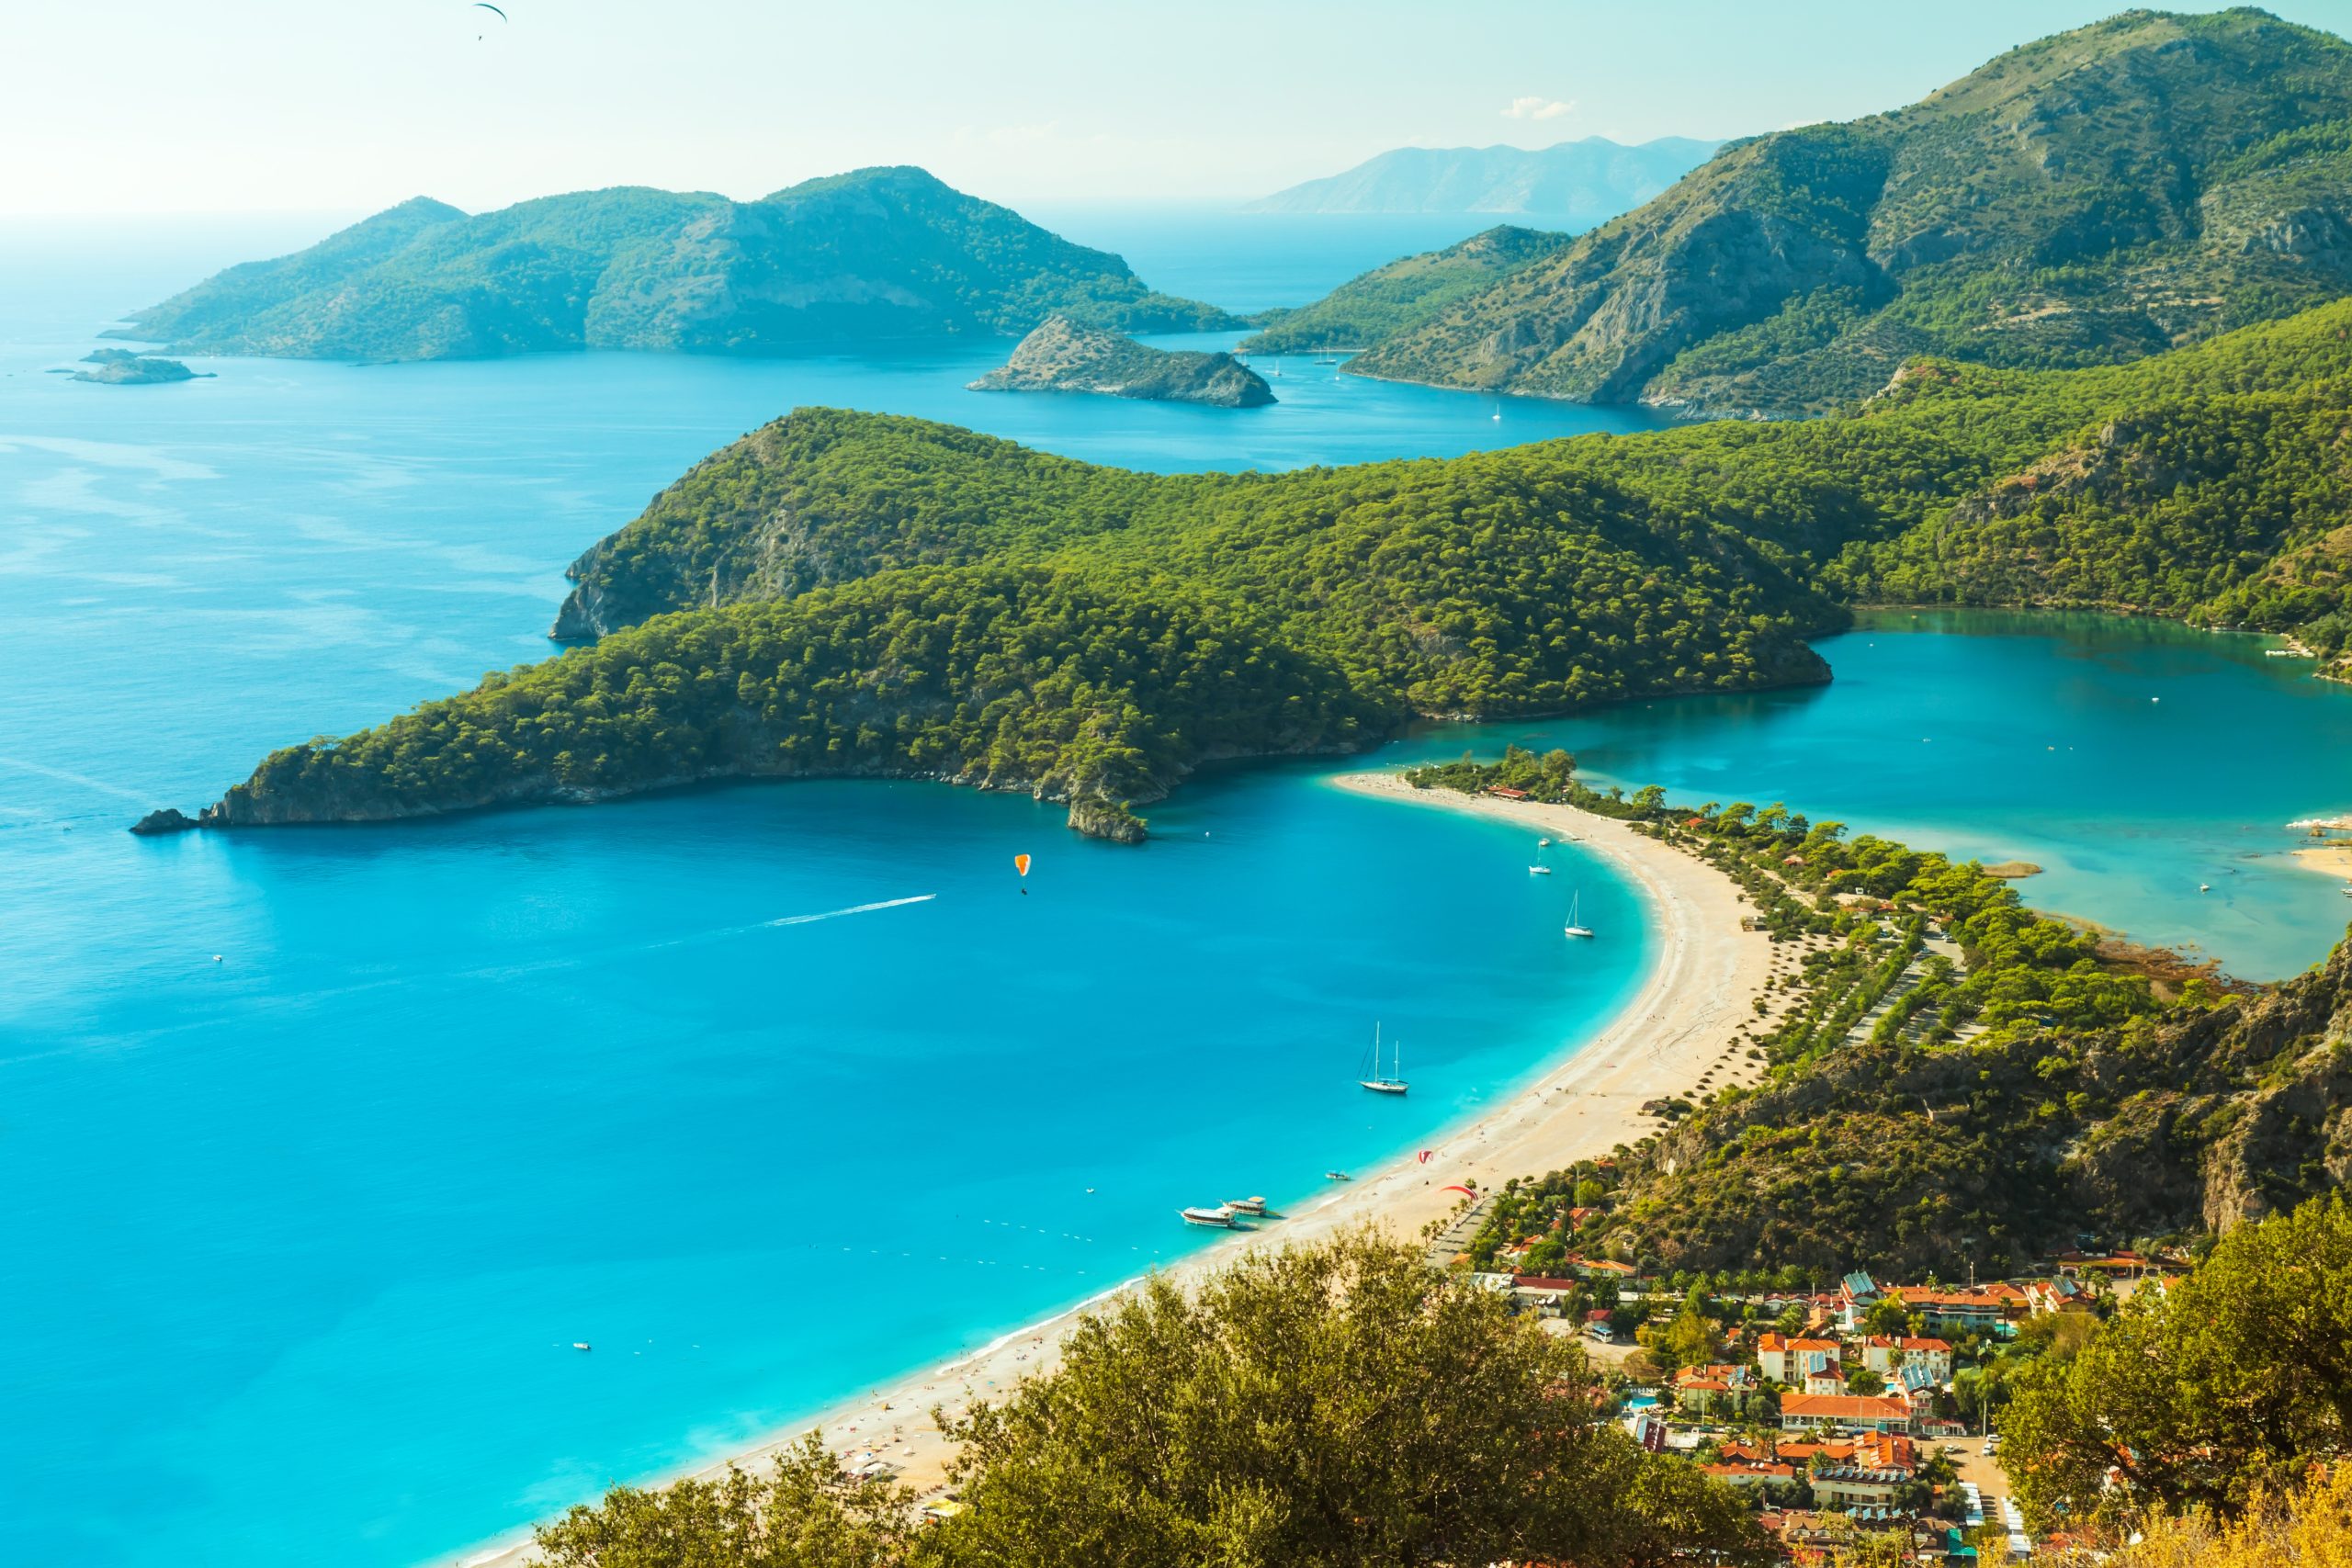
856, 594
876, 254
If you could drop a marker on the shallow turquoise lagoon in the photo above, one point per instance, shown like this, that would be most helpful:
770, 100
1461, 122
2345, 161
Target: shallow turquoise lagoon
770, 1093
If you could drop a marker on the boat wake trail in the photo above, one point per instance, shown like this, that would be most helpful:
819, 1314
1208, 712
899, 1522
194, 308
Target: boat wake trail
61, 776
494, 972
723, 932
853, 909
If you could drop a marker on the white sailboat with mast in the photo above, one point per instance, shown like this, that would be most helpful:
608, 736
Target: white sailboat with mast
1576, 927
1394, 1082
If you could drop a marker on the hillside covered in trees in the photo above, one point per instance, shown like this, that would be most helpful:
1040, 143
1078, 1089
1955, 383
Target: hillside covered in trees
2093, 198
859, 595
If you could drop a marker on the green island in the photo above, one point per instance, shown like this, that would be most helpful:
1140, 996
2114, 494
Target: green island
1063, 356
873, 255
856, 594
121, 368
2089, 198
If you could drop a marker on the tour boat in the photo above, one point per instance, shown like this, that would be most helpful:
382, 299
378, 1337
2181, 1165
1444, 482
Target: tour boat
1221, 1216
1394, 1081
1574, 928
1343, 1176
1246, 1206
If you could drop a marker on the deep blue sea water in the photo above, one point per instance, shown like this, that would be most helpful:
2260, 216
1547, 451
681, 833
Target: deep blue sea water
757, 1089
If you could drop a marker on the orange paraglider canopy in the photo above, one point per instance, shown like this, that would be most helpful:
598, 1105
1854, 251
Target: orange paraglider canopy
1020, 864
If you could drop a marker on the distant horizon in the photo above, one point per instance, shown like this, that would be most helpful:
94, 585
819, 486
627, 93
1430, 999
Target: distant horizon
1234, 202
370, 104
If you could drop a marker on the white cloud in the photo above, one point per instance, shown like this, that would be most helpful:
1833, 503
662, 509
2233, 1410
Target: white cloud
1535, 106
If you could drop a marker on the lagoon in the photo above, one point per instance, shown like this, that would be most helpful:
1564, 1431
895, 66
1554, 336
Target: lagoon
772, 1092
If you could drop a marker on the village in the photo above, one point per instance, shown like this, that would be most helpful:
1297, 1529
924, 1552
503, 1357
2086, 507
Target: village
1857, 1416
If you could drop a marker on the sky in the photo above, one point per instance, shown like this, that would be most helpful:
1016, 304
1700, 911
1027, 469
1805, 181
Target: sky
347, 106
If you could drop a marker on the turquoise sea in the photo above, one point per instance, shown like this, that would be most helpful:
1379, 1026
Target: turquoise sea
323, 1146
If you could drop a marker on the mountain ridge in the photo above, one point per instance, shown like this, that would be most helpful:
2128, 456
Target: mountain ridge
2091, 197
878, 254
1580, 182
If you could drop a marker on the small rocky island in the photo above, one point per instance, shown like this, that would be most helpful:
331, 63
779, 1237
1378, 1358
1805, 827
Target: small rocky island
121, 368
1062, 356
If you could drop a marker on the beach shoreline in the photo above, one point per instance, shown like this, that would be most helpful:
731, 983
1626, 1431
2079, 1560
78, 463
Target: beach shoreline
1695, 995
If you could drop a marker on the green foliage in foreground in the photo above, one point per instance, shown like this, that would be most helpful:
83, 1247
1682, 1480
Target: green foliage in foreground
1322, 1407
1536, 580
2237, 1381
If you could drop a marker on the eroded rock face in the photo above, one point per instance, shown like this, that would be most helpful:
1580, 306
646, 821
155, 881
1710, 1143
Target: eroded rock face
1062, 356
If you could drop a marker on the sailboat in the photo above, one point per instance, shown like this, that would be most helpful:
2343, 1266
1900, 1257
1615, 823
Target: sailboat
1575, 927
1394, 1083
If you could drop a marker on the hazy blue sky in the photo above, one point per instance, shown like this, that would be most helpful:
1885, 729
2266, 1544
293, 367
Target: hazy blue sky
114, 105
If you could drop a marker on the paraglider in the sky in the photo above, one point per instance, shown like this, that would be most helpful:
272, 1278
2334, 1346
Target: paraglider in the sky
1020, 864
486, 6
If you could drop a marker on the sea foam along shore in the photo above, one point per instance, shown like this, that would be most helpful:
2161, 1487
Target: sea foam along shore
1703, 977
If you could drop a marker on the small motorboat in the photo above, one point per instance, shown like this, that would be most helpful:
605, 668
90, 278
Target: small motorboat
1543, 843
580, 1344
1220, 1217
1539, 871
2204, 887
1343, 1176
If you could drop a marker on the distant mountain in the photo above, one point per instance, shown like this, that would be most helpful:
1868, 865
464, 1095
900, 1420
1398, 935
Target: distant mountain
879, 254
1580, 183
2089, 198
1404, 294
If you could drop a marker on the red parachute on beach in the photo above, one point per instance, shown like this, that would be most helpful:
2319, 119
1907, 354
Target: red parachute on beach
1465, 1191
1423, 1157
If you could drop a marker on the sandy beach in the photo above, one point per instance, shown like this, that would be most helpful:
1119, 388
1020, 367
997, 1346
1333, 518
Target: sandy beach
2328, 859
1704, 975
